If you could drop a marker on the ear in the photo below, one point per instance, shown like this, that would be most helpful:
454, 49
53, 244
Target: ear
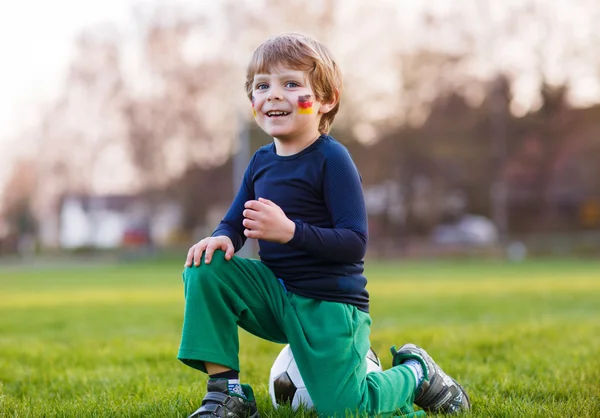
327, 106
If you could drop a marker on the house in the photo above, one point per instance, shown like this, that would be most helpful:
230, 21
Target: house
113, 221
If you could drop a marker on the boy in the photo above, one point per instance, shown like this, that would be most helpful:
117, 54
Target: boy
301, 197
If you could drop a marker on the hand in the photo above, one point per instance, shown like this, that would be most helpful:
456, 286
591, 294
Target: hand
267, 221
208, 246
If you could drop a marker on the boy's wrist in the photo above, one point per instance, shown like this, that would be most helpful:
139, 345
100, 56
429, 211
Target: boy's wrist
290, 231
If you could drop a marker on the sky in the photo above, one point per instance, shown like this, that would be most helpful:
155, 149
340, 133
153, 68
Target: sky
36, 40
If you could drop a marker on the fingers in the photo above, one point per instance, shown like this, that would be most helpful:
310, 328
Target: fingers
250, 214
229, 251
214, 245
254, 208
190, 256
251, 204
252, 228
195, 253
210, 250
208, 246
266, 201
252, 234
257, 205
198, 250
258, 214
250, 224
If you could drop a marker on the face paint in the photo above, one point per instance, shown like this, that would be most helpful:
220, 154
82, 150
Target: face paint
305, 105
253, 110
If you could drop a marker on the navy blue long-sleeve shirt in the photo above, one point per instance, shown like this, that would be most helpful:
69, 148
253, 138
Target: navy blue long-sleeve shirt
320, 190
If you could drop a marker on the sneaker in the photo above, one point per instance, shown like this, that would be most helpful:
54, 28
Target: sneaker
438, 392
219, 402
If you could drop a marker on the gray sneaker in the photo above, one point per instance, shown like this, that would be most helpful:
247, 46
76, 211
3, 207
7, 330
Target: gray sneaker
219, 402
438, 392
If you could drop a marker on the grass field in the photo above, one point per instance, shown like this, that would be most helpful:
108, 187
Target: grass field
101, 341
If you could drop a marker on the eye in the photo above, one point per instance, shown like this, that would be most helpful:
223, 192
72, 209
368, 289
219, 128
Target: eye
292, 84
261, 86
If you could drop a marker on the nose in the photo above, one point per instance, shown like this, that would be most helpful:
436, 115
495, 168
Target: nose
275, 94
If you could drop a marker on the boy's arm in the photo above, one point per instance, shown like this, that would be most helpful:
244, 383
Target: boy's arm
347, 240
231, 225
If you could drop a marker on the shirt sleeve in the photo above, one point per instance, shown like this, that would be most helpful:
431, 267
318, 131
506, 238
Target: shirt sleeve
346, 242
231, 226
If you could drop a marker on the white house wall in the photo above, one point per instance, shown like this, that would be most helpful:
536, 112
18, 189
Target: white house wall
75, 228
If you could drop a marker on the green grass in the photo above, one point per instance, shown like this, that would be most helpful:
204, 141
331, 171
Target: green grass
101, 341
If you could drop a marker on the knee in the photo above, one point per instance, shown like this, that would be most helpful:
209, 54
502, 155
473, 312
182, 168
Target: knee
205, 274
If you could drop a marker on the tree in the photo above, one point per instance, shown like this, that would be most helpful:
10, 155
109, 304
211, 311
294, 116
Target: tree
160, 109
17, 198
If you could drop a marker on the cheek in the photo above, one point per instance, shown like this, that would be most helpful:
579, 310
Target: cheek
305, 104
253, 104
257, 102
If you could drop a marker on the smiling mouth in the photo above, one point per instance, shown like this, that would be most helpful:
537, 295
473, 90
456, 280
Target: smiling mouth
277, 113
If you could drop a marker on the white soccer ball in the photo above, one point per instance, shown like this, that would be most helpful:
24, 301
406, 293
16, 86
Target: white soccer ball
286, 384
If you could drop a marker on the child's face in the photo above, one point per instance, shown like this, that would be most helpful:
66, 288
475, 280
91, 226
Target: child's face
284, 104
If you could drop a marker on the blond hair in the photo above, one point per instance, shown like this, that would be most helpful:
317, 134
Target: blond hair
302, 53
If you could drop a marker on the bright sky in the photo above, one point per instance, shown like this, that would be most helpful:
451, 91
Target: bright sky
36, 38
36, 41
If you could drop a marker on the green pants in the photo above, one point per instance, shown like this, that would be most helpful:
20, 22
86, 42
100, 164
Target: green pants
330, 340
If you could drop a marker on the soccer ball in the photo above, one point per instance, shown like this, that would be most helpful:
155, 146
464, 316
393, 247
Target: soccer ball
286, 384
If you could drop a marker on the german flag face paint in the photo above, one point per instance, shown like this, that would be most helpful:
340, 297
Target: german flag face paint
253, 109
305, 104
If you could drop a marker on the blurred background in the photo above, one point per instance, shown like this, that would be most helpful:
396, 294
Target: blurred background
125, 130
